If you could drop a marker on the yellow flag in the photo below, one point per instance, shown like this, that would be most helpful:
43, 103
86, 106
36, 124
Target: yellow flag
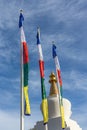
27, 104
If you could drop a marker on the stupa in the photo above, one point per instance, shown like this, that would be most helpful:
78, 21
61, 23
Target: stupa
54, 122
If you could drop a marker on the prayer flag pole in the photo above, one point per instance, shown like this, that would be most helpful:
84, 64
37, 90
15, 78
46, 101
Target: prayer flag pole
21, 88
59, 81
21, 94
43, 91
25, 104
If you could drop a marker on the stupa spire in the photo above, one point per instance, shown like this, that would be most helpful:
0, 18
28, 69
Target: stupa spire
53, 88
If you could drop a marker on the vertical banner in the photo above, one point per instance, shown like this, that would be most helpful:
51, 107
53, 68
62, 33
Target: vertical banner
59, 80
25, 66
43, 91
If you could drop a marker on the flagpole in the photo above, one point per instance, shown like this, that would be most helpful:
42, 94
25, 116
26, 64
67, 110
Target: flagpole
43, 91
21, 92
46, 126
21, 87
59, 83
24, 74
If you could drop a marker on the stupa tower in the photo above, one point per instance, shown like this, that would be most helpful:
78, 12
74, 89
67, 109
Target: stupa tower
54, 122
53, 98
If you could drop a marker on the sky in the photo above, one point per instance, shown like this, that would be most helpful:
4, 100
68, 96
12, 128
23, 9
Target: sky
61, 21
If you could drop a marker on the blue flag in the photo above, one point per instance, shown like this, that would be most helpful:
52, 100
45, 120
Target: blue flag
38, 36
21, 19
54, 51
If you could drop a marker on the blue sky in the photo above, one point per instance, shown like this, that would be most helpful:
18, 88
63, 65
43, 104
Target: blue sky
62, 21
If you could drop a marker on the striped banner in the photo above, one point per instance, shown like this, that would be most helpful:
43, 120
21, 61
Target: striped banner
43, 91
59, 80
25, 65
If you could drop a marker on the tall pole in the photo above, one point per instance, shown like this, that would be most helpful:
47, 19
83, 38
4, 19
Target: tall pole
23, 78
43, 91
21, 90
59, 82
46, 126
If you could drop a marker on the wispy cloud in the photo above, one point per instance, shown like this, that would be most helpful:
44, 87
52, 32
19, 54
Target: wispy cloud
71, 123
75, 80
81, 116
7, 120
9, 117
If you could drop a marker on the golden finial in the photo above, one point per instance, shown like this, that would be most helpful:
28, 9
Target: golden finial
53, 88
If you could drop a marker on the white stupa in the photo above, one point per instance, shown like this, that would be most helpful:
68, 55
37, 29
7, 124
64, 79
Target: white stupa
54, 122
53, 98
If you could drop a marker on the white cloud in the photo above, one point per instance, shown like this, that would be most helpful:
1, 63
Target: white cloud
80, 114
9, 120
67, 111
76, 80
74, 54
